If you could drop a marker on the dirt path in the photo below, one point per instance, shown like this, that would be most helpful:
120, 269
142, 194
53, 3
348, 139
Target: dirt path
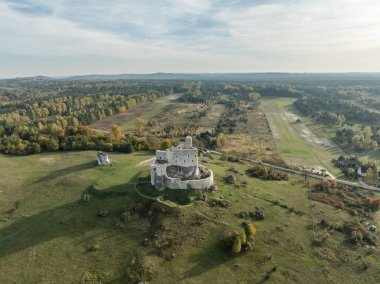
123, 118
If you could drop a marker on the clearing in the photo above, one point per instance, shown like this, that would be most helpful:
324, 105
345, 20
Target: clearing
296, 143
127, 119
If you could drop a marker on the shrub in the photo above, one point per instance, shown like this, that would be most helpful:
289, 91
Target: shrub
266, 173
236, 247
373, 204
242, 236
251, 230
368, 262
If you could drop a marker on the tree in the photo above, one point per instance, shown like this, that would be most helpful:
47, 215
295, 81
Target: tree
126, 147
371, 176
108, 147
368, 133
122, 109
243, 236
341, 119
221, 140
356, 140
374, 145
251, 230
376, 175
52, 145
236, 247
34, 148
166, 144
139, 125
116, 132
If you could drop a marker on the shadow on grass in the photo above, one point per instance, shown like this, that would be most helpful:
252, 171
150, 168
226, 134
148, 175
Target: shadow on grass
207, 260
68, 170
70, 220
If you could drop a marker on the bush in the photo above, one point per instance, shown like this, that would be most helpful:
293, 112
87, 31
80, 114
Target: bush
242, 236
266, 173
251, 230
236, 247
373, 204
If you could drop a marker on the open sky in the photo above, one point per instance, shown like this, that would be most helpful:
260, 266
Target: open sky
69, 37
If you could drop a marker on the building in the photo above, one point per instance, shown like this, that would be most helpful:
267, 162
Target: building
102, 158
178, 168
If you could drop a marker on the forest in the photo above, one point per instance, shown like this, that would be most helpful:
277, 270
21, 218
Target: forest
44, 114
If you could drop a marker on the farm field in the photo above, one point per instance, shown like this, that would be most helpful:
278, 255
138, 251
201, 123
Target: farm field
295, 142
57, 238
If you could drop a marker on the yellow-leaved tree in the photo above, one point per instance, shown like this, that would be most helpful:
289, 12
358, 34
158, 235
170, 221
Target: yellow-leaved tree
236, 247
251, 230
116, 132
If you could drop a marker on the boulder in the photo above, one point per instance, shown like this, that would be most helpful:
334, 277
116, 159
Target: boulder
213, 187
243, 214
86, 198
231, 179
103, 213
259, 214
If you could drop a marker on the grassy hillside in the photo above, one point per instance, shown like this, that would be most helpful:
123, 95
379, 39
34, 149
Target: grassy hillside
53, 237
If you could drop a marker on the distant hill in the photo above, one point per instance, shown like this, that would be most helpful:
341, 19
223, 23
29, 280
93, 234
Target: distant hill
234, 76
258, 77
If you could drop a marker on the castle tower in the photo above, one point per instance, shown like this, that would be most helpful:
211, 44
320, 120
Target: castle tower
188, 142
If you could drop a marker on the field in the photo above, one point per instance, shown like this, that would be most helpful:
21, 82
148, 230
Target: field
252, 138
296, 143
127, 119
328, 132
53, 237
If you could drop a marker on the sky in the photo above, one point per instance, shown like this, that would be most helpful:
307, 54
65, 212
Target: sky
73, 37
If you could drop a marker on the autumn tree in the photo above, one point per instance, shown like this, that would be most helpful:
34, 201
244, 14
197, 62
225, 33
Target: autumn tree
251, 230
236, 247
221, 140
242, 236
139, 125
116, 132
166, 144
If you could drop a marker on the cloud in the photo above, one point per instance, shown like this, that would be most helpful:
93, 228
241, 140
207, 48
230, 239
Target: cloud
189, 35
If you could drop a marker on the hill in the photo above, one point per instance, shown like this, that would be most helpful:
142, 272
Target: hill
53, 236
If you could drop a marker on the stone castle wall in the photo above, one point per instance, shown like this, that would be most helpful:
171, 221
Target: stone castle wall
178, 168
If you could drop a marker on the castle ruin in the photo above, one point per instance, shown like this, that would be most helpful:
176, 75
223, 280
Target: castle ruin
178, 168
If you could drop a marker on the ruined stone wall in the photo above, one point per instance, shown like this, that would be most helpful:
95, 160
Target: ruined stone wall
163, 155
176, 183
178, 169
184, 157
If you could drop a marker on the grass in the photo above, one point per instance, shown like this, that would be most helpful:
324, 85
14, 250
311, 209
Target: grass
52, 237
157, 108
328, 131
291, 144
127, 119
